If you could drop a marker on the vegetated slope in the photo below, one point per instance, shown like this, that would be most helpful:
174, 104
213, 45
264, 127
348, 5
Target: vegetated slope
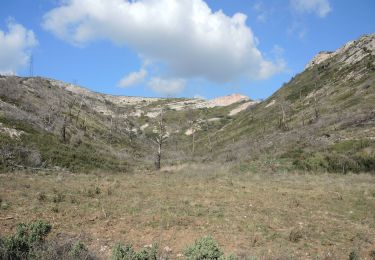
46, 123
324, 118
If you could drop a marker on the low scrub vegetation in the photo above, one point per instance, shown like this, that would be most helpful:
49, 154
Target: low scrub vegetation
26, 241
126, 252
244, 210
347, 156
206, 248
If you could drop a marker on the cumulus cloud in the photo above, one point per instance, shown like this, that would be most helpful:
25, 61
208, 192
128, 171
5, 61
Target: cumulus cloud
168, 87
132, 78
186, 37
319, 7
15, 46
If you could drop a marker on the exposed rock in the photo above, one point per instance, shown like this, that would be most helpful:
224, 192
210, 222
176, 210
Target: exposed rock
143, 127
225, 101
201, 103
350, 53
319, 58
242, 107
13, 133
273, 102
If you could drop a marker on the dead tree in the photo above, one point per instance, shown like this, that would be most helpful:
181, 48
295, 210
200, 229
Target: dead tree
302, 107
67, 118
193, 126
207, 129
129, 126
283, 120
316, 109
161, 135
81, 104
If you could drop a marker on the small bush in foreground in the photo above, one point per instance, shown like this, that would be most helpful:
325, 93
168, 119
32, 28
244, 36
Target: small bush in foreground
77, 249
126, 252
206, 248
25, 240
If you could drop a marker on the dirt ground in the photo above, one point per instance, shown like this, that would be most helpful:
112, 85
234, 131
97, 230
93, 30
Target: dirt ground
254, 215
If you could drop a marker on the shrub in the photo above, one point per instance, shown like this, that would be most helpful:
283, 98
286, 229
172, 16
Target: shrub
58, 197
353, 255
204, 248
77, 249
372, 255
63, 248
229, 257
122, 252
22, 243
41, 196
295, 235
126, 252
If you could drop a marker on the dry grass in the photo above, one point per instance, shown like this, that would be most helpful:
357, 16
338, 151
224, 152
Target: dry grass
283, 216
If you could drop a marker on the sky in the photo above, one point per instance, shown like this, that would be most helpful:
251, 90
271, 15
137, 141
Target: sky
175, 48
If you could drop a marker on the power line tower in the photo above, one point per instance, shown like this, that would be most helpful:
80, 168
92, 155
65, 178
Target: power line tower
31, 66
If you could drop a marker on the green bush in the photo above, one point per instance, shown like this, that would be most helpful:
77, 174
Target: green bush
346, 156
126, 252
205, 248
24, 241
333, 162
77, 250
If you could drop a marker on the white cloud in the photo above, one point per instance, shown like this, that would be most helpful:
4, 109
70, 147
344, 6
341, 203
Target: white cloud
168, 87
15, 46
319, 7
132, 78
297, 29
262, 12
186, 37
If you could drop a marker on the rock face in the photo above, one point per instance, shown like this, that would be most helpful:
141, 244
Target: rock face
242, 107
144, 105
350, 53
226, 100
319, 58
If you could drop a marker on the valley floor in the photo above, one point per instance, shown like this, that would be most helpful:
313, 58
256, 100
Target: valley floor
265, 216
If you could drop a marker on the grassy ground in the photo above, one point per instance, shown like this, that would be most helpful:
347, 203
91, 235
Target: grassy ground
267, 216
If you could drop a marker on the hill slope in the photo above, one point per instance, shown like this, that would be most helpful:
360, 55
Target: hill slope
323, 119
46, 123
324, 116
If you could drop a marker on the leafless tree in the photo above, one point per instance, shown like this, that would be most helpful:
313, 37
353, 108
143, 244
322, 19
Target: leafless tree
302, 107
316, 109
283, 118
67, 118
81, 104
206, 128
159, 137
193, 126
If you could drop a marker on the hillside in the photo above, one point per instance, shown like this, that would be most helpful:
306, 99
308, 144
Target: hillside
47, 123
323, 119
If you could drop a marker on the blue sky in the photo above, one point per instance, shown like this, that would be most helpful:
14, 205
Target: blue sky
181, 48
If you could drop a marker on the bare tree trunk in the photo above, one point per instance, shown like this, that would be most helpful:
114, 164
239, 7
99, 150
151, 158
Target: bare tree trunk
63, 129
80, 108
302, 108
193, 141
160, 139
67, 119
316, 109
158, 157
282, 120
110, 131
